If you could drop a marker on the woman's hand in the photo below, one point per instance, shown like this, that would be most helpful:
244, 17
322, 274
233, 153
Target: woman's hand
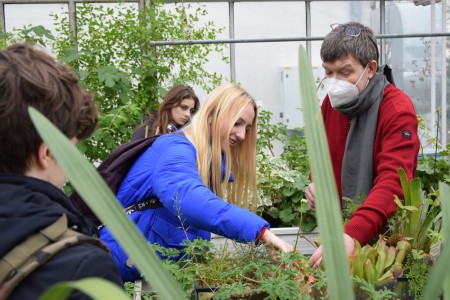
269, 238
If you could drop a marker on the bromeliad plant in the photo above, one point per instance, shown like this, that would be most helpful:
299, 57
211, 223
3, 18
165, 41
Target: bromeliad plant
403, 249
380, 263
417, 215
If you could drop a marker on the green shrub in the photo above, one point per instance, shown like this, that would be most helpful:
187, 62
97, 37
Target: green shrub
111, 52
282, 179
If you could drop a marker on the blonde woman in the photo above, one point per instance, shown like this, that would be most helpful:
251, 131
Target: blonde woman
188, 176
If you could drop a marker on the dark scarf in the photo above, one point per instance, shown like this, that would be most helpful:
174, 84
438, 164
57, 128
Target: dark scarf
357, 166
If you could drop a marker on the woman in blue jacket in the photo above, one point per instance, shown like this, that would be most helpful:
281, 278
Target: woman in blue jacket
186, 173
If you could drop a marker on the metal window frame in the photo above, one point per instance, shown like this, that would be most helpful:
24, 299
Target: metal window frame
232, 40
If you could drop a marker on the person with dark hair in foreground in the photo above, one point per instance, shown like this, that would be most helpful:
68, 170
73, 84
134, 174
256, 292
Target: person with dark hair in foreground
32, 203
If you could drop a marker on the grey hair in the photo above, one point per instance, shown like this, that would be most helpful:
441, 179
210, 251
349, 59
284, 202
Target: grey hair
338, 44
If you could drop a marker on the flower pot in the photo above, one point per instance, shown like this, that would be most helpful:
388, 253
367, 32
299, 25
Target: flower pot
400, 287
202, 293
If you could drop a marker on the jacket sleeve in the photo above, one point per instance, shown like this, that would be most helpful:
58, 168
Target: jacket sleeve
94, 263
396, 146
177, 183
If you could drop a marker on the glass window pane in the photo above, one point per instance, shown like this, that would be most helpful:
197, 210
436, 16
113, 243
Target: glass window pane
269, 19
218, 14
20, 15
411, 58
259, 66
325, 13
113, 5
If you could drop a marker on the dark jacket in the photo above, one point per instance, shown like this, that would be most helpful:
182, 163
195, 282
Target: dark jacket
27, 205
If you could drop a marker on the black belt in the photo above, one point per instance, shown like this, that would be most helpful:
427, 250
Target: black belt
148, 203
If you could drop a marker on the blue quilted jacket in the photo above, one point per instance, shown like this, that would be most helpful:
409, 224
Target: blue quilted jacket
167, 170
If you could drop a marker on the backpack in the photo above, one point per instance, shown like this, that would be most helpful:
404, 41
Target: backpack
387, 71
36, 250
113, 170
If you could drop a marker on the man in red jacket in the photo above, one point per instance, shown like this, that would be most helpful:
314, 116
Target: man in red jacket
371, 127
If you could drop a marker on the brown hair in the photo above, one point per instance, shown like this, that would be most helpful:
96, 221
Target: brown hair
172, 99
29, 77
350, 38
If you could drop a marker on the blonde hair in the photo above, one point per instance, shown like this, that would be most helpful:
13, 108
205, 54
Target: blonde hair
222, 109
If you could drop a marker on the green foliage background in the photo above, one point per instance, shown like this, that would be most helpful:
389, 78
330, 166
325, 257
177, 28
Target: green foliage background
111, 52
282, 179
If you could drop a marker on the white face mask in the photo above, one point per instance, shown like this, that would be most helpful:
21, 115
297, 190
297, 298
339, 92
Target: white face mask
342, 92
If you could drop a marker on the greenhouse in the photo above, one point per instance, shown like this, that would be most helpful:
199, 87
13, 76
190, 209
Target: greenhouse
220, 149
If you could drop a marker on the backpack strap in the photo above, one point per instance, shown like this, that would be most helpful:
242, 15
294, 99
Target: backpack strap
387, 71
37, 249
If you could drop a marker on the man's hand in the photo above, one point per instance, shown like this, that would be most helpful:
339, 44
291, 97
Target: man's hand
316, 258
271, 239
310, 196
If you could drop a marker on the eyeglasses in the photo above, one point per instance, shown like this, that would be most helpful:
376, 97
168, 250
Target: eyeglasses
353, 30
350, 30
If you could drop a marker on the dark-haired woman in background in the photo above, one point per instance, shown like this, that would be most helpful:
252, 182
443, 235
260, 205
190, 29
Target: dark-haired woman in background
177, 108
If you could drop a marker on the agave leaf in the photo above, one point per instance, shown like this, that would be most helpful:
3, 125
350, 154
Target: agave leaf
439, 277
95, 288
103, 203
327, 202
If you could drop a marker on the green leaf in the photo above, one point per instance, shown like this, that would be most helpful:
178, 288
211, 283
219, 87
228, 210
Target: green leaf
288, 191
286, 215
40, 31
83, 74
96, 288
327, 202
101, 200
70, 55
416, 201
308, 223
274, 212
109, 75
399, 202
297, 198
413, 204
439, 277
